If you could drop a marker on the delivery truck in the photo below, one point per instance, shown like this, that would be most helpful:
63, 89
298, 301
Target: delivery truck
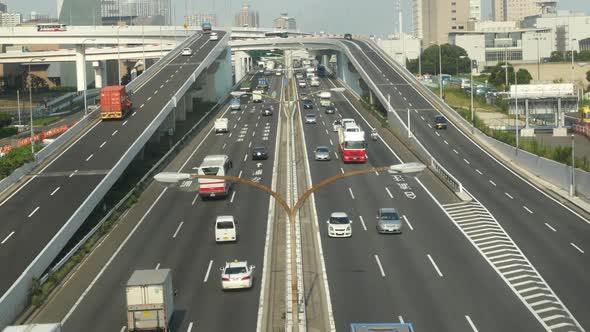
114, 102
150, 300
221, 125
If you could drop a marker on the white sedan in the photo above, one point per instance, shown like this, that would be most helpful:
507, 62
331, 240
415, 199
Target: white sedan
236, 275
213, 36
187, 51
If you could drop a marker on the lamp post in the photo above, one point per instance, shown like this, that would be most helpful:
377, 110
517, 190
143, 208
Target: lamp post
516, 111
573, 40
420, 60
118, 56
18, 106
538, 59
84, 77
440, 82
31, 104
573, 178
506, 68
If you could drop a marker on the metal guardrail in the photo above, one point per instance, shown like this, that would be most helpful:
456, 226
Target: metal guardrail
15, 298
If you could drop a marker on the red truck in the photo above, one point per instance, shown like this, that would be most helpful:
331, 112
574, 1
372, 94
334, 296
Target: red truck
114, 102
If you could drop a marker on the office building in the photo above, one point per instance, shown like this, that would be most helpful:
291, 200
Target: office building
475, 10
78, 12
199, 18
3, 8
10, 19
434, 19
136, 11
284, 22
247, 17
514, 10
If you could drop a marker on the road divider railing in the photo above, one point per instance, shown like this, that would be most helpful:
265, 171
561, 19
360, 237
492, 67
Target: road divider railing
16, 298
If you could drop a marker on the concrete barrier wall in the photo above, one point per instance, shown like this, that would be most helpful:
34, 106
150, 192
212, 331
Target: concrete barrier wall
16, 298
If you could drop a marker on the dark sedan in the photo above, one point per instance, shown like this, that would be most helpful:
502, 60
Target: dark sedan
440, 122
259, 153
267, 111
307, 104
330, 109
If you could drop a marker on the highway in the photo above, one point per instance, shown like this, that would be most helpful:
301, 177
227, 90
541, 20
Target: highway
551, 236
382, 278
177, 232
35, 212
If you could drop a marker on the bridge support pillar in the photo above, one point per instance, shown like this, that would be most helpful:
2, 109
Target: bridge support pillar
99, 74
81, 67
348, 74
241, 60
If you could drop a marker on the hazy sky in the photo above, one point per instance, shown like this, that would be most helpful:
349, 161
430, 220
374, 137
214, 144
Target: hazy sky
312, 15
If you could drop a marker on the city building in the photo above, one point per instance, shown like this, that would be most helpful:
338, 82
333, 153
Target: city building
285, 22
199, 18
3, 7
475, 10
514, 10
39, 17
417, 19
136, 12
247, 17
439, 18
10, 19
78, 12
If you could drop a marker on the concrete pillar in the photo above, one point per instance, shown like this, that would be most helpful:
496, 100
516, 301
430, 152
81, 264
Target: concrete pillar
560, 130
98, 74
325, 60
526, 131
371, 101
81, 67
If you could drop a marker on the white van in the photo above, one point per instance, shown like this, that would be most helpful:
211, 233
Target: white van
225, 229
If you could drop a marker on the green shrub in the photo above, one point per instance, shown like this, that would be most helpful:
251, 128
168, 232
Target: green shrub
8, 131
15, 159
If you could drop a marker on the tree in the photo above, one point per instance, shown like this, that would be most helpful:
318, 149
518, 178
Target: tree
498, 75
524, 77
556, 56
583, 56
588, 76
451, 60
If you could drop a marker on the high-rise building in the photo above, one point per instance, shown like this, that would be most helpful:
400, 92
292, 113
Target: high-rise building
475, 10
10, 19
3, 7
199, 18
247, 17
285, 22
130, 11
434, 19
514, 10
79, 12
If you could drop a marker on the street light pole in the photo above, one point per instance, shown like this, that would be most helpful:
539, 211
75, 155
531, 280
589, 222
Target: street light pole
18, 106
516, 110
573, 80
573, 183
31, 108
118, 57
471, 90
440, 82
538, 61
420, 60
506, 67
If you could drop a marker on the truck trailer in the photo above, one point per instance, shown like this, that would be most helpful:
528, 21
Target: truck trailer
114, 102
34, 328
150, 300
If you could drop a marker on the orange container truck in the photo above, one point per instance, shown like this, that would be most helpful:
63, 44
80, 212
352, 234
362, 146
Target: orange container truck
114, 102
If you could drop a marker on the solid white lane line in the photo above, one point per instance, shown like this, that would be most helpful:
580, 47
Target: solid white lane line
177, 229
90, 157
492, 182
32, 213
456, 152
124, 123
388, 192
407, 222
208, 271
331, 143
115, 132
437, 134
466, 161
195, 199
232, 197
245, 157
350, 191
54, 191
240, 175
447, 143
363, 223
578, 248
471, 323
76, 171
528, 210
550, 227
478, 171
341, 170
380, 266
157, 266
507, 194
8, 237
190, 327
103, 143
435, 266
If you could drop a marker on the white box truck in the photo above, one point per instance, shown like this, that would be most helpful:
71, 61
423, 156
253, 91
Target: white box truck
221, 125
325, 98
34, 328
150, 300
257, 96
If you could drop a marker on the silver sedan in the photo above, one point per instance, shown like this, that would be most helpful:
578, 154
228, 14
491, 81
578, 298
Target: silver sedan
322, 153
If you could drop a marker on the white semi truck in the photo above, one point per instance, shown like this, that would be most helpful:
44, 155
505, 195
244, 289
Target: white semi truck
150, 300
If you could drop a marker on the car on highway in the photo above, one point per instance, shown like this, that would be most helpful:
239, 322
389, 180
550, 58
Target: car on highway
302, 83
321, 153
225, 229
307, 104
299, 75
237, 275
213, 36
267, 111
348, 36
278, 72
331, 109
314, 82
388, 221
267, 72
235, 104
310, 118
259, 153
339, 225
440, 122
337, 124
187, 51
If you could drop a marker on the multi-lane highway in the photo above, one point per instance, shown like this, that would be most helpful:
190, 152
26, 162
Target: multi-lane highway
554, 238
34, 213
177, 232
429, 275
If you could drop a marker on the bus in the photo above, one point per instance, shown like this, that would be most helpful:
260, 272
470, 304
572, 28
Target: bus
219, 165
262, 84
51, 27
206, 27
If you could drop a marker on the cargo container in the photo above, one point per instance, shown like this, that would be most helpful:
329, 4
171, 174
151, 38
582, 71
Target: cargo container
150, 300
114, 102
34, 328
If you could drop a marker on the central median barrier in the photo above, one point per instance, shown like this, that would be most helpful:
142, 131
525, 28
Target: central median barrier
16, 298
